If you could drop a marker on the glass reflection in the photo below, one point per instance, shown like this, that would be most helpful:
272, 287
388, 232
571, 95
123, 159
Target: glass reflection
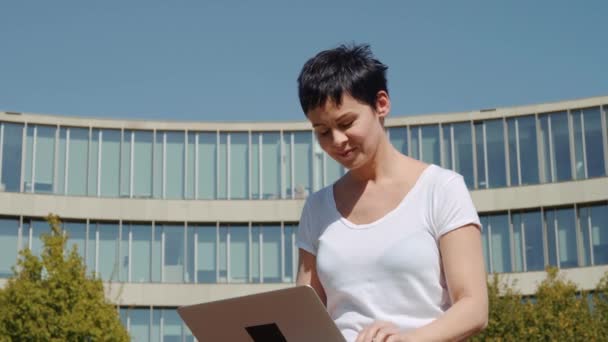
528, 154
302, 164
142, 164
463, 152
271, 249
108, 235
480, 153
566, 237
593, 143
500, 240
77, 161
430, 144
110, 163
206, 254
175, 159
239, 165
239, 253
141, 250
9, 230
173, 266
271, 165
207, 165
45, 159
533, 233
398, 137
495, 145
599, 233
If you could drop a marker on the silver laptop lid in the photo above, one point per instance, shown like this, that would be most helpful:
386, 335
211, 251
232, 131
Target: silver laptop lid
288, 315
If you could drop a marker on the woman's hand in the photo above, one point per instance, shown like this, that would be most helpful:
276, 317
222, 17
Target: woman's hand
381, 331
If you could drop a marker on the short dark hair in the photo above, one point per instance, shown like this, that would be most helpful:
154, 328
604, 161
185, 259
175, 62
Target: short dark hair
350, 69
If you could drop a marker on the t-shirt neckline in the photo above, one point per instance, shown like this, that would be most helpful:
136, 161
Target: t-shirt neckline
405, 199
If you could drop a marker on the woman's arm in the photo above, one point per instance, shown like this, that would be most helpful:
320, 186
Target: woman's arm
462, 258
307, 274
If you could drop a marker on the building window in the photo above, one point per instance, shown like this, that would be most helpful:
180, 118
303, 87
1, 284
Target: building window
398, 137
290, 252
77, 150
37, 227
239, 165
271, 253
238, 253
462, 159
40, 159
523, 154
173, 252
490, 154
9, 238
142, 163
430, 144
495, 147
594, 232
126, 155
588, 143
528, 228
556, 147
561, 237
425, 143
271, 165
202, 253
12, 142
500, 242
207, 165
109, 162
107, 254
175, 154
223, 176
77, 237
191, 163
139, 324
302, 164
94, 164
154, 324
139, 258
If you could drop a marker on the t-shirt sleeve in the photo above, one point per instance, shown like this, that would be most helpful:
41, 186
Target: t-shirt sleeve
306, 237
453, 206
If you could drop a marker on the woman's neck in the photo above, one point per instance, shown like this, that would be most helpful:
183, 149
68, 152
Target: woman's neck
383, 164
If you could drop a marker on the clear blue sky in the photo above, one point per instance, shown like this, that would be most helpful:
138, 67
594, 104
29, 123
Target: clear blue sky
238, 60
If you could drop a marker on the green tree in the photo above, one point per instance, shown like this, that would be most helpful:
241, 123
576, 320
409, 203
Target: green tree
600, 306
505, 319
50, 298
558, 311
561, 312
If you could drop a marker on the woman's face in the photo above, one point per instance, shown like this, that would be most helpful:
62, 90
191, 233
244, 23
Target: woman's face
350, 133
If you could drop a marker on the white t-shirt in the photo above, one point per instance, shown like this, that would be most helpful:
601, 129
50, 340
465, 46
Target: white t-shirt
390, 269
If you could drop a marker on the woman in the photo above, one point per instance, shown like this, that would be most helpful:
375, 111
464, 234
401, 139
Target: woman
393, 248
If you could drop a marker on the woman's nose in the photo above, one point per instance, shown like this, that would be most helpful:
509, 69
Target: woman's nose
339, 138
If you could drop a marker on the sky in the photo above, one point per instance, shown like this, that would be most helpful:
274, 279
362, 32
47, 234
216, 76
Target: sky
239, 60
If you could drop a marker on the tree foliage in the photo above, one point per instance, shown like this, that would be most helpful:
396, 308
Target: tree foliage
51, 298
558, 311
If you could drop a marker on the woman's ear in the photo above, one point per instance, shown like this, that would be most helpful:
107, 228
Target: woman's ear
383, 104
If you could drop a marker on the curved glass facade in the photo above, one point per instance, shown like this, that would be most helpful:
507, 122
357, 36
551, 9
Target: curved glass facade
128, 180
98, 162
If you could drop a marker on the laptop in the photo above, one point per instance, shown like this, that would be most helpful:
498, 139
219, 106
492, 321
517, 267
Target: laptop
288, 315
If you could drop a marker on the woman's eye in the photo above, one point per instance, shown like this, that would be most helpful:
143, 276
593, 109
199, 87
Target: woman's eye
346, 124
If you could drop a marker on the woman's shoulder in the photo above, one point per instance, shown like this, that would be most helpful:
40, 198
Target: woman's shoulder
415, 170
442, 175
318, 198
436, 178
